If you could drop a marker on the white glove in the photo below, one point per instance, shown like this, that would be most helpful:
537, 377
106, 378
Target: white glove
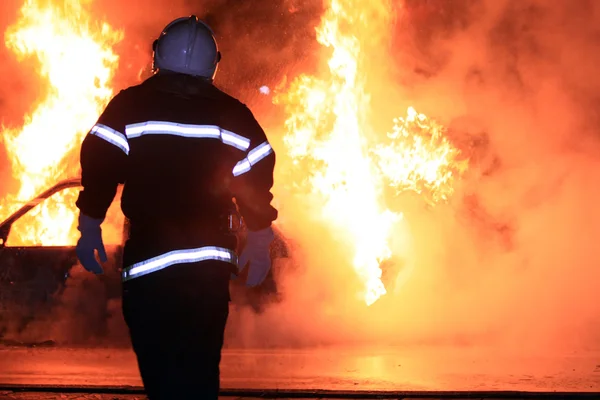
257, 253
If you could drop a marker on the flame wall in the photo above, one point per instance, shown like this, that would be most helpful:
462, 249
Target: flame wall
512, 261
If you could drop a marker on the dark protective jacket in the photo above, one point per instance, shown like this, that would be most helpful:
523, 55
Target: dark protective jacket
183, 150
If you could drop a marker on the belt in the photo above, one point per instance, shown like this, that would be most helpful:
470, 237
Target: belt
179, 257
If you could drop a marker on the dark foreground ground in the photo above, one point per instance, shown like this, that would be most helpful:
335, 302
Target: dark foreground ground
425, 372
11, 395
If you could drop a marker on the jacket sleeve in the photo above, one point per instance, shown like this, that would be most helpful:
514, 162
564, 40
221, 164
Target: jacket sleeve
103, 159
253, 178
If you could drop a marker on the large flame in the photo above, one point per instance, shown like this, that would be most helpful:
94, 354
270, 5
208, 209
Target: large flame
76, 63
332, 142
330, 134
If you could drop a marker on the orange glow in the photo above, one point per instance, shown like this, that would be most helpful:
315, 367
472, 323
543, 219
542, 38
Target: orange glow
331, 138
342, 160
76, 65
420, 158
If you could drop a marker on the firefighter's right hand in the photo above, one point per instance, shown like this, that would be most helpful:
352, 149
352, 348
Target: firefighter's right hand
257, 254
90, 242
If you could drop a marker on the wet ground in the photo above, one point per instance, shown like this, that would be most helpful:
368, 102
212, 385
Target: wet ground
7, 395
345, 369
87, 396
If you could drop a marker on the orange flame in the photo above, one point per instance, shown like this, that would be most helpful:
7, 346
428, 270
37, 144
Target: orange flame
420, 158
329, 134
77, 61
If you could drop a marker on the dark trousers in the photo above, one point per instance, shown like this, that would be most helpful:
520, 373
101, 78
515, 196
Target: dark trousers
176, 319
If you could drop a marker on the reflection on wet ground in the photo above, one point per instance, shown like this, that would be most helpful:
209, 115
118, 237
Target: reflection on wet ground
397, 369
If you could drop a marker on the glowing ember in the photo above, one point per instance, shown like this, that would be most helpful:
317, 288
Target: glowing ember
77, 62
328, 139
264, 90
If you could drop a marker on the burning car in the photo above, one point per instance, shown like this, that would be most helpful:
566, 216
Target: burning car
33, 275
336, 150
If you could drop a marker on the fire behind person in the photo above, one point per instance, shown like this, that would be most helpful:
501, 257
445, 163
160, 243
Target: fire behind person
183, 150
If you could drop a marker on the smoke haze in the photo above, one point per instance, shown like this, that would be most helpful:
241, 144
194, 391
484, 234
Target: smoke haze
512, 262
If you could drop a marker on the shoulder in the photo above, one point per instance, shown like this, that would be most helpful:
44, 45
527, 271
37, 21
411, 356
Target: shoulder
232, 103
120, 99
128, 93
116, 110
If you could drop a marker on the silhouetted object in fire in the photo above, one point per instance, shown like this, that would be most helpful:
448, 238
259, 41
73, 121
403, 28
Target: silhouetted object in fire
183, 150
44, 298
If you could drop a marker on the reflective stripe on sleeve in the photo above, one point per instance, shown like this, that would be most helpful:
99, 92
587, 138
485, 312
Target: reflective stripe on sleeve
235, 140
187, 130
179, 257
255, 155
112, 136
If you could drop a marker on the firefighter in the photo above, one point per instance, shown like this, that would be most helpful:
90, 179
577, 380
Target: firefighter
187, 154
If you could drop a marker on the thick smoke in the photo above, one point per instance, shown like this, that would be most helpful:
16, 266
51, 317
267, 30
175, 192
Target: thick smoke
85, 312
512, 261
260, 41
519, 258
261, 44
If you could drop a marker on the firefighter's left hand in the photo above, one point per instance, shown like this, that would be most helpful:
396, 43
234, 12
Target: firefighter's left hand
257, 254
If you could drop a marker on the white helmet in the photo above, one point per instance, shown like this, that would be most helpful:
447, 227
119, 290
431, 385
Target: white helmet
187, 46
